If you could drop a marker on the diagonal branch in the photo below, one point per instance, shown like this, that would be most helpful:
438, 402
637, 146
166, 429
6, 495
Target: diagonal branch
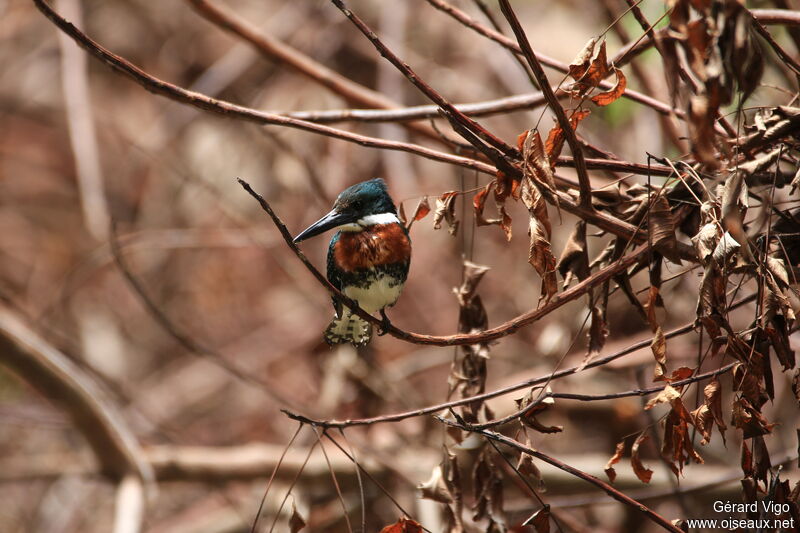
555, 105
115, 446
452, 114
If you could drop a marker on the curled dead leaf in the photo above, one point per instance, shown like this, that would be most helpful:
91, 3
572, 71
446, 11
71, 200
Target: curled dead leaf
435, 488
574, 260
659, 348
609, 469
661, 225
644, 474
540, 520
537, 163
422, 210
296, 522
404, 525
589, 68
555, 139
667, 395
612, 95
540, 254
446, 210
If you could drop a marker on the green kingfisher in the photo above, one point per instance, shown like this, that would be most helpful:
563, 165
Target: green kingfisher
368, 257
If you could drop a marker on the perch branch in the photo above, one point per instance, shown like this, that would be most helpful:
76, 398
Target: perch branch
460, 339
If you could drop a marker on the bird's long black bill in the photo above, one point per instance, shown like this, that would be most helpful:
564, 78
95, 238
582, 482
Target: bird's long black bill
329, 221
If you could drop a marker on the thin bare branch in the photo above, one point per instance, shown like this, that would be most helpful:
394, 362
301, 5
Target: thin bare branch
82, 135
600, 361
555, 64
129, 506
569, 133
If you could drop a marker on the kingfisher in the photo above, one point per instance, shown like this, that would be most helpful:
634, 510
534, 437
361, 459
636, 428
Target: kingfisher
368, 258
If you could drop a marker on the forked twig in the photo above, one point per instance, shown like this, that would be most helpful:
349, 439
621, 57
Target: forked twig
602, 485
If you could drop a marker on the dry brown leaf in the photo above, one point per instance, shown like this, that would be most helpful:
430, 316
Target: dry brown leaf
435, 488
746, 460
540, 254
609, 469
661, 225
527, 467
706, 239
668, 395
581, 63
710, 412
574, 260
540, 520
296, 522
479, 203
644, 474
422, 210
589, 68
555, 139
446, 210
659, 348
761, 461
677, 445
749, 419
404, 525
537, 163
734, 208
598, 333
613, 94
702, 116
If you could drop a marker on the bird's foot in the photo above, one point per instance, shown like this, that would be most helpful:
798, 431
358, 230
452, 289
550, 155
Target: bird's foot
385, 324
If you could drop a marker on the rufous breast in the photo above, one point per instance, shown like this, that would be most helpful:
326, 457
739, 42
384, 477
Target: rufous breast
381, 244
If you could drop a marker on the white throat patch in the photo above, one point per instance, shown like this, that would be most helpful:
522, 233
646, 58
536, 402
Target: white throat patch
383, 218
370, 220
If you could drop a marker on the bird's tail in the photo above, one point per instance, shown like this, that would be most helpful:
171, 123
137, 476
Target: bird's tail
350, 328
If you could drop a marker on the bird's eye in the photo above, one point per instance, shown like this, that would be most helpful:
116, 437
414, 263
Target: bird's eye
356, 204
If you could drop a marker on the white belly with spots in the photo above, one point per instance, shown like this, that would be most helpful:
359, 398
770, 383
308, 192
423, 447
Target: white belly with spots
381, 293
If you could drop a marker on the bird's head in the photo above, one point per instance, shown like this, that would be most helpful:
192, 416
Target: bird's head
364, 204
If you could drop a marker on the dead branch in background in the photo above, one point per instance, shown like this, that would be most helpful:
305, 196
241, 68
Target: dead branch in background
61, 381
